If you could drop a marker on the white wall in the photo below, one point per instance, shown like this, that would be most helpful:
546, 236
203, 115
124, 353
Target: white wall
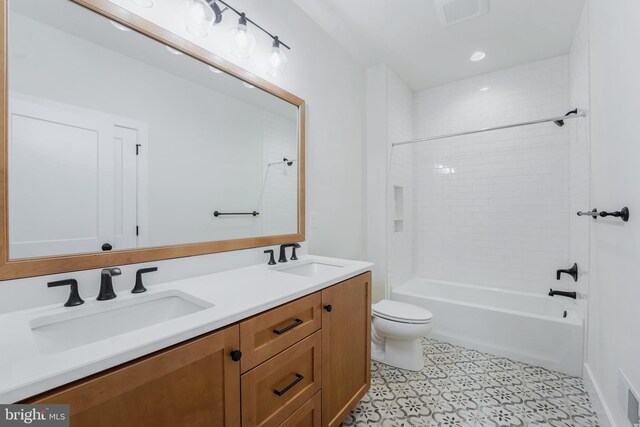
492, 208
389, 119
377, 154
332, 84
614, 317
401, 233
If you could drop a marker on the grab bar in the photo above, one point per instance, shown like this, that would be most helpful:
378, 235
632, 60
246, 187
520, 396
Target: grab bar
217, 213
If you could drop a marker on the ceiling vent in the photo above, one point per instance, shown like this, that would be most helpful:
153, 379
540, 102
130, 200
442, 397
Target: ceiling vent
453, 11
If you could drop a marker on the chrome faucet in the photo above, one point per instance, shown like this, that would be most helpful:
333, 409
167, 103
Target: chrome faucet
106, 284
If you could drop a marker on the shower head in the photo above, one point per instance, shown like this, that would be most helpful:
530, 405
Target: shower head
560, 123
287, 161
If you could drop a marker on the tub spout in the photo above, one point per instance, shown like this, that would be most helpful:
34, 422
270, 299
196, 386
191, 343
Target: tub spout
562, 294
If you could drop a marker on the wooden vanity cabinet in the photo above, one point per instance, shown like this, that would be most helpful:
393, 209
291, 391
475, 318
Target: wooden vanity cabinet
346, 347
304, 364
192, 384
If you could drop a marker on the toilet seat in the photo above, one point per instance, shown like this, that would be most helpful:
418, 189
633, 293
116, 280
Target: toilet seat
401, 312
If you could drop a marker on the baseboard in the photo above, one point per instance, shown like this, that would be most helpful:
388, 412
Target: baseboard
599, 404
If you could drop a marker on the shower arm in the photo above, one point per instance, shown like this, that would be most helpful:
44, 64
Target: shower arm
578, 114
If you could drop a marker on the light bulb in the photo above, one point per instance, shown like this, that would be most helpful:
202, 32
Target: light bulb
477, 56
119, 26
242, 42
199, 17
173, 51
143, 3
277, 59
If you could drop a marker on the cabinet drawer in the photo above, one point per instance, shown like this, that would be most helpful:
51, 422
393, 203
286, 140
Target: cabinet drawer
274, 390
266, 335
309, 414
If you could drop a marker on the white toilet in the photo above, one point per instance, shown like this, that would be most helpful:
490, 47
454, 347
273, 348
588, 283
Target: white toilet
396, 332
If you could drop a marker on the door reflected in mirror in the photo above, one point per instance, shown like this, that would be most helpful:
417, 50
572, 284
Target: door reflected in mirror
116, 143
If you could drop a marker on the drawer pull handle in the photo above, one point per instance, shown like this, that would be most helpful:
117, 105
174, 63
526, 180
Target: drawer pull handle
288, 328
290, 386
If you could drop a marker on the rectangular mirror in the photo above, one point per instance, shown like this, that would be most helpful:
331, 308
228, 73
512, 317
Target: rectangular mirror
117, 141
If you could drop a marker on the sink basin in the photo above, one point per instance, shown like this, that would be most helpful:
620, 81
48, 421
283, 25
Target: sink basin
310, 269
83, 326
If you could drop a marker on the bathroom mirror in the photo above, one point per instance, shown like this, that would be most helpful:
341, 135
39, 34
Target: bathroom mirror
151, 146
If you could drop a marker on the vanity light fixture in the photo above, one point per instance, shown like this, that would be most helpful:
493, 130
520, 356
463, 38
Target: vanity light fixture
201, 15
242, 40
478, 56
143, 3
119, 26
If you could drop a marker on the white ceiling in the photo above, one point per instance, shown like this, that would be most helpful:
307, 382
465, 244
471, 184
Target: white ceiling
407, 35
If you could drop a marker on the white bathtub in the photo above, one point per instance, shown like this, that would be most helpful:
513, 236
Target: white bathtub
527, 327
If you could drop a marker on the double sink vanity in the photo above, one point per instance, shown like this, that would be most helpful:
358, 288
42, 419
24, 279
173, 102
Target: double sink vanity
139, 147
256, 346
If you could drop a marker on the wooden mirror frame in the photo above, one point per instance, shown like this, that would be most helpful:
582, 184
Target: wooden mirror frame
28, 267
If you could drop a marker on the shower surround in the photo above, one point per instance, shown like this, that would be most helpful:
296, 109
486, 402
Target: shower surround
493, 212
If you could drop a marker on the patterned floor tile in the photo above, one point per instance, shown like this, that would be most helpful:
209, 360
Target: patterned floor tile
460, 387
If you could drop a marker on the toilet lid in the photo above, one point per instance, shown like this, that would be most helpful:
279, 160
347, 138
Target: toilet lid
401, 312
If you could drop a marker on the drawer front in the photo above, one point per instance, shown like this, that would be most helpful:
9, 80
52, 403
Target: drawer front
274, 390
266, 335
309, 415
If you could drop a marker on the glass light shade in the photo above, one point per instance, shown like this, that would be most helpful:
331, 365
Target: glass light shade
277, 61
242, 41
143, 3
198, 17
119, 26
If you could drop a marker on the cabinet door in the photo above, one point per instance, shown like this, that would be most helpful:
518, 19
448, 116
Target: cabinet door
191, 384
346, 347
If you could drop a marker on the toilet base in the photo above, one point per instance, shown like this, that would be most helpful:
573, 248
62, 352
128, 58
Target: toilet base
404, 354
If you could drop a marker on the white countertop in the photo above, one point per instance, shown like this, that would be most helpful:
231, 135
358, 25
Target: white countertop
236, 294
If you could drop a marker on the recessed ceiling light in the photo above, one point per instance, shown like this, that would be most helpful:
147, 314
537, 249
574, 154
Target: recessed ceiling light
484, 88
478, 56
143, 3
174, 51
247, 85
214, 70
119, 26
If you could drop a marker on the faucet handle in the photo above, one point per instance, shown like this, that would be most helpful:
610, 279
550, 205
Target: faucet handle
293, 253
139, 286
272, 260
74, 296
